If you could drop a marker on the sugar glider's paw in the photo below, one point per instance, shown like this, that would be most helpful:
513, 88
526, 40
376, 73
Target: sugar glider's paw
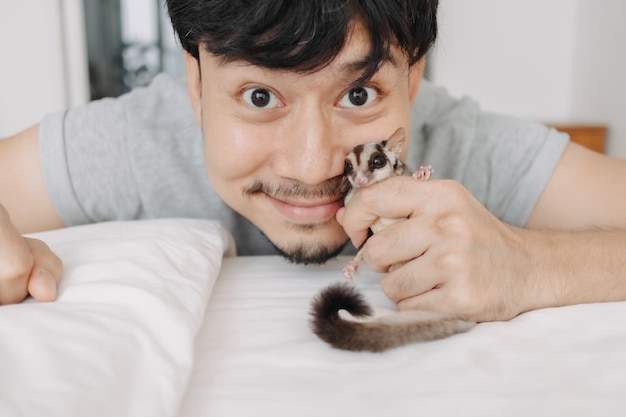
424, 173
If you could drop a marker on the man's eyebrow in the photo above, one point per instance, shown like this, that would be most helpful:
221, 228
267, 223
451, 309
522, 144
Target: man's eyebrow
358, 66
355, 66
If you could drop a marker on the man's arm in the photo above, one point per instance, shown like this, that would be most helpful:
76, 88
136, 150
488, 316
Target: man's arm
23, 192
460, 258
27, 266
579, 225
587, 189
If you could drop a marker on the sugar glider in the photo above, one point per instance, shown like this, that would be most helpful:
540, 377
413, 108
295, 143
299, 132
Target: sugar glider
365, 165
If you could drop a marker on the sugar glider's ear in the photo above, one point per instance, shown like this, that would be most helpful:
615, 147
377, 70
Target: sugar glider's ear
395, 142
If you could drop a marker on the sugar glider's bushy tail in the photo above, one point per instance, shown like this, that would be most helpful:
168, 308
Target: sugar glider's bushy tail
375, 334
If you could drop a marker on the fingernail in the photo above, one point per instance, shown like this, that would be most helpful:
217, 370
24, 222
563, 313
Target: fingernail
48, 280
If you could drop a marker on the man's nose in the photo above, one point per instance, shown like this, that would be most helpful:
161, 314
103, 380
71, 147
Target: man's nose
312, 151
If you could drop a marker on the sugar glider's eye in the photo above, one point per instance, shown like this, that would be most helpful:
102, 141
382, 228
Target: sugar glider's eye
378, 161
347, 167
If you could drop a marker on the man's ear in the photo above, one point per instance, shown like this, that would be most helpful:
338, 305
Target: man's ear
416, 72
194, 85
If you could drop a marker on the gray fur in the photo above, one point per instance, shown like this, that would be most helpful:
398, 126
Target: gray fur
377, 334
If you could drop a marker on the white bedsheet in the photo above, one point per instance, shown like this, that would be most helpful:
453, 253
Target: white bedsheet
133, 334
257, 357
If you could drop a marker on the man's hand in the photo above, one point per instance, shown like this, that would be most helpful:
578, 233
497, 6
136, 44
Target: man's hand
27, 266
459, 257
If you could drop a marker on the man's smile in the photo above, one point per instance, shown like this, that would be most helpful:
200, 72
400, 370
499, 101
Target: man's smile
305, 211
300, 203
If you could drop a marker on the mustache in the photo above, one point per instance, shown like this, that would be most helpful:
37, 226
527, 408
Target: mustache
331, 188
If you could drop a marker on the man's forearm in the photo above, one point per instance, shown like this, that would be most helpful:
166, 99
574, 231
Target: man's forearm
575, 267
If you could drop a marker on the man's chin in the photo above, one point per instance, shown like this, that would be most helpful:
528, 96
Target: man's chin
308, 252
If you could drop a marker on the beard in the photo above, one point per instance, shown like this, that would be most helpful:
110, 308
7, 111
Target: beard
308, 253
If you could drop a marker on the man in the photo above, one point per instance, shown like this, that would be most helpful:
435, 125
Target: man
518, 220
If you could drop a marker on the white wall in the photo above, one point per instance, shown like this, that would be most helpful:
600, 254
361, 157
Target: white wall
599, 89
43, 61
553, 60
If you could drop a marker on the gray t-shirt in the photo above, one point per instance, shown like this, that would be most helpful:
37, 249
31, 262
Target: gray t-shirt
140, 156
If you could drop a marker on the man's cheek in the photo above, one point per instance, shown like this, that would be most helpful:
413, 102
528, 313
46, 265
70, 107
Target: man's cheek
221, 166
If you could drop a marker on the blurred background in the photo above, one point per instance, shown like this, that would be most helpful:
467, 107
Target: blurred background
558, 61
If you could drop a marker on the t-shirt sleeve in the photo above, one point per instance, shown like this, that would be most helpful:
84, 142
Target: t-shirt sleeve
136, 156
85, 163
505, 162
510, 164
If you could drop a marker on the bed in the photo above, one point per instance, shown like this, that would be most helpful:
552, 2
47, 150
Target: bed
157, 318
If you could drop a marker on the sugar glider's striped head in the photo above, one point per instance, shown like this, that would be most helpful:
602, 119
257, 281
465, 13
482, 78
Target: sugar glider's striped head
373, 162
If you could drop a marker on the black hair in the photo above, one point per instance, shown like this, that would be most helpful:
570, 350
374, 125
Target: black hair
303, 35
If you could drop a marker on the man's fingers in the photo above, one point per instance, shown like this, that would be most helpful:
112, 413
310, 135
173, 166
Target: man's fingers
357, 237
398, 243
381, 200
42, 285
13, 291
412, 279
46, 272
16, 262
27, 266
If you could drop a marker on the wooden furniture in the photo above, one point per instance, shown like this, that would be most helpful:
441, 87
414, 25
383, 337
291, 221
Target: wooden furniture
590, 136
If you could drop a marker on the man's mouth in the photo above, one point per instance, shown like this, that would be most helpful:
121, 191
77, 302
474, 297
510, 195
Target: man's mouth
300, 203
307, 211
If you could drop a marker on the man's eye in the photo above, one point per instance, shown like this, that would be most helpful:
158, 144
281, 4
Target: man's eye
261, 98
358, 97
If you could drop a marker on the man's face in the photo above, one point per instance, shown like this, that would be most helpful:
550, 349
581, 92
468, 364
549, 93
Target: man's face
275, 141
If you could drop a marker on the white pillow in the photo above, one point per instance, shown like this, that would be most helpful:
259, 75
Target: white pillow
119, 340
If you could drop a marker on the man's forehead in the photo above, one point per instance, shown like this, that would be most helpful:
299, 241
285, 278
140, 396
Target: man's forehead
355, 56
